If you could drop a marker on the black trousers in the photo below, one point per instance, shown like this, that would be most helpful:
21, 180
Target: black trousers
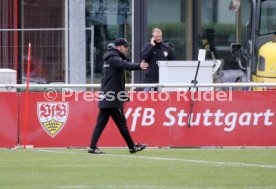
119, 118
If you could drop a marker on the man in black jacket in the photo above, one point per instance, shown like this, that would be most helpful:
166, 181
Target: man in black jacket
154, 51
113, 94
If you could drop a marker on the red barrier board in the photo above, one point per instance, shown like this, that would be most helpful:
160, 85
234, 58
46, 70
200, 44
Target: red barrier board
58, 123
9, 120
158, 119
230, 119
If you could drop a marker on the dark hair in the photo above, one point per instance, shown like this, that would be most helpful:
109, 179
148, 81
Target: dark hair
121, 41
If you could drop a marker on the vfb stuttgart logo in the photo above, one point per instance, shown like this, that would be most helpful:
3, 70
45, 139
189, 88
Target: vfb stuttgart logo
52, 116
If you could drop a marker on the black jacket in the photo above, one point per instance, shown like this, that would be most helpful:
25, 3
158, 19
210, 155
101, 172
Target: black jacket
113, 79
151, 54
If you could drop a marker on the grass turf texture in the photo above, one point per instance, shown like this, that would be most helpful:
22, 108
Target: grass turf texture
152, 168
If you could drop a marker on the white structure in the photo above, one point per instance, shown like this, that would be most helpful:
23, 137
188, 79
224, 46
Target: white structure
184, 72
7, 76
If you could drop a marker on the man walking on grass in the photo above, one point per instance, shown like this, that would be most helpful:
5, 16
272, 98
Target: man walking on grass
113, 95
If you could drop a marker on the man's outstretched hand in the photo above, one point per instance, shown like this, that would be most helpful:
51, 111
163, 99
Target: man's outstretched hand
144, 65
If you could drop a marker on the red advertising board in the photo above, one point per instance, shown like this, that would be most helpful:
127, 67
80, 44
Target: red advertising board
217, 119
9, 120
57, 123
158, 119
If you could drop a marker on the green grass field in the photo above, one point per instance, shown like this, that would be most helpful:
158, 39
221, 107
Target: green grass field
150, 169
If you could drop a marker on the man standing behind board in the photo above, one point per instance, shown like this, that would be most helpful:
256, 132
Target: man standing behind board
113, 94
153, 51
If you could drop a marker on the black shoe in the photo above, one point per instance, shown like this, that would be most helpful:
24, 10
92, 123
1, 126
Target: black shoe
95, 151
137, 148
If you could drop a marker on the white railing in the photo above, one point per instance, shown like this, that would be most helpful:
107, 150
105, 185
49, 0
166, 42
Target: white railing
180, 85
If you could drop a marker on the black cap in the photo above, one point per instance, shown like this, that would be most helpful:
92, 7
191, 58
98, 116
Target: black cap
121, 41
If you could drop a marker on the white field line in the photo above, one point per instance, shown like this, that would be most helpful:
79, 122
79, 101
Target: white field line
115, 186
216, 163
75, 186
261, 187
152, 187
65, 166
